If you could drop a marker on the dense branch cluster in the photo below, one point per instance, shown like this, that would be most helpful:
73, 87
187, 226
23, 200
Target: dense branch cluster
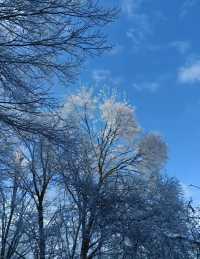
43, 42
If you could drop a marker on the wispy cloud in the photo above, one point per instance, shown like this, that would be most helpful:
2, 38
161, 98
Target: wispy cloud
140, 30
130, 7
181, 46
190, 73
187, 6
142, 21
105, 77
140, 25
191, 192
151, 87
118, 49
187, 190
101, 75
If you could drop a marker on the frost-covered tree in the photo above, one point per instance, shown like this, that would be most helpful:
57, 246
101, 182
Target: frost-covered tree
148, 219
15, 205
37, 174
111, 148
112, 132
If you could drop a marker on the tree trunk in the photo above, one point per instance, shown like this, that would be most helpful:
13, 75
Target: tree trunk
41, 231
85, 248
2, 249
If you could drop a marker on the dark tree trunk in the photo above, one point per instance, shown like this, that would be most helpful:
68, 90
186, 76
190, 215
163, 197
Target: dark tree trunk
85, 248
41, 231
2, 249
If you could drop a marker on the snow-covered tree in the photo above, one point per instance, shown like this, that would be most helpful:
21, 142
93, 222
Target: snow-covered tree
111, 151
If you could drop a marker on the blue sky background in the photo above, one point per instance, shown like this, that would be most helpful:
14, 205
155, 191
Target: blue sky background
156, 63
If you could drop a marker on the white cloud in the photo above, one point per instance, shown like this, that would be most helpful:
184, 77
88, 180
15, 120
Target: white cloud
190, 73
148, 86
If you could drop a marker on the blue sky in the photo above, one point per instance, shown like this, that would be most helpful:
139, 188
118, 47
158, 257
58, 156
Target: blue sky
156, 63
